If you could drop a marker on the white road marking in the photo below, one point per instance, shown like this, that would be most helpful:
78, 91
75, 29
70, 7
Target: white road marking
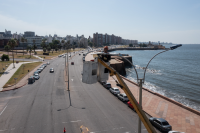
72, 79
75, 121
3, 110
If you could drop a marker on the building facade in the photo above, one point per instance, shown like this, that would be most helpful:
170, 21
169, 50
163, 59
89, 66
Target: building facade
29, 34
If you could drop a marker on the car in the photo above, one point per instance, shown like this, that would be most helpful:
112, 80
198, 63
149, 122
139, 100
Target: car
48, 63
72, 63
39, 70
161, 124
107, 85
83, 59
64, 56
123, 97
36, 72
51, 70
69, 55
79, 54
36, 76
102, 82
114, 90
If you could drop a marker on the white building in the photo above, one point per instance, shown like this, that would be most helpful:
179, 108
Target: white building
49, 39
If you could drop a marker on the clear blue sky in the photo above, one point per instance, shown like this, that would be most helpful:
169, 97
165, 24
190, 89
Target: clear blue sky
176, 21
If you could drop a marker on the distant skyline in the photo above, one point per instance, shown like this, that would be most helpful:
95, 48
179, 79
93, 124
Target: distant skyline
175, 21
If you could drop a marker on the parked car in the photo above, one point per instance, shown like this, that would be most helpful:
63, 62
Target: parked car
79, 54
51, 70
69, 55
114, 90
31, 80
102, 82
36, 76
39, 70
123, 97
72, 63
161, 124
83, 59
36, 72
107, 85
48, 63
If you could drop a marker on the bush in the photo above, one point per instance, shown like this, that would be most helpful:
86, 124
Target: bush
5, 57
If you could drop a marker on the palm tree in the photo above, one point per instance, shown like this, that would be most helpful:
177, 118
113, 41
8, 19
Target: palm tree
16, 44
12, 43
29, 48
7, 48
23, 40
34, 46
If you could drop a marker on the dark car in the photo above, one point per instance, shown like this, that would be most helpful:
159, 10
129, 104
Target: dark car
36, 72
102, 82
72, 63
161, 124
51, 70
36, 76
107, 85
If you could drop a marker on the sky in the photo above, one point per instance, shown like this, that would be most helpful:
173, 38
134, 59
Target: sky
176, 21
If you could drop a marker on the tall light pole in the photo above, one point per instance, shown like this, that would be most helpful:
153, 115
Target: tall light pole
141, 81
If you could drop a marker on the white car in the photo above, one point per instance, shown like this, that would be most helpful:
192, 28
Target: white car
114, 90
48, 63
123, 97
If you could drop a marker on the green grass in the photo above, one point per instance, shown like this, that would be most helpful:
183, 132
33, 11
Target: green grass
3, 65
20, 73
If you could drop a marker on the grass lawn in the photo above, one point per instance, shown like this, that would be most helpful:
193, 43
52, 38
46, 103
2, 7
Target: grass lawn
3, 65
24, 57
19, 74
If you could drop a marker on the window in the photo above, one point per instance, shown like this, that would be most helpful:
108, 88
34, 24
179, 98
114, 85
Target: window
94, 72
105, 70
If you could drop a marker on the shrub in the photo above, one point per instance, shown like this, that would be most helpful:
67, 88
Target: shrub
5, 57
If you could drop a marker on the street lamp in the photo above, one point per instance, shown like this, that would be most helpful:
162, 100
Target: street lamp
141, 81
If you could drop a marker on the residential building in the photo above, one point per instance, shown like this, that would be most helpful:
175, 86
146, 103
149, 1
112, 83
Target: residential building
29, 34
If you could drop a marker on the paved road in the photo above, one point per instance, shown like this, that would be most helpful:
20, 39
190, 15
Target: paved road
47, 106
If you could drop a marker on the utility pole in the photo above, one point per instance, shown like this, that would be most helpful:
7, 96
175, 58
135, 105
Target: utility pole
140, 102
68, 69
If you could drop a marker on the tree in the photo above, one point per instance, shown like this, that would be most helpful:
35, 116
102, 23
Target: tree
130, 45
12, 43
56, 49
29, 49
7, 48
23, 40
34, 46
48, 49
44, 50
16, 44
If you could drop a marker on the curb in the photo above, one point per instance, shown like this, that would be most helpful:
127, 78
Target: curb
19, 81
14, 88
166, 98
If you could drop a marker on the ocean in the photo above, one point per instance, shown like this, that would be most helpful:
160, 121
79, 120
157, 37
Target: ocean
174, 74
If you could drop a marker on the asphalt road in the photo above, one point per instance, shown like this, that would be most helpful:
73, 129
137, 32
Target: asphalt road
47, 106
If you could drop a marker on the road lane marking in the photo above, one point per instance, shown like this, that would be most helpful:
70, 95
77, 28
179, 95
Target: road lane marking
72, 79
3, 110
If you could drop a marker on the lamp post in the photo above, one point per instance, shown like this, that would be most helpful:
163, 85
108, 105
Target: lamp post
141, 81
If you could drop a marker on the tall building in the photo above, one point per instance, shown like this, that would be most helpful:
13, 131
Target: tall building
29, 34
103, 39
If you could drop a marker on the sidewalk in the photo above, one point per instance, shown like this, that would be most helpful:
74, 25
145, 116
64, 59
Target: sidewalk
23, 81
9, 73
181, 117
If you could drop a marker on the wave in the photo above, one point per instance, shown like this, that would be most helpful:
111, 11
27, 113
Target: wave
174, 96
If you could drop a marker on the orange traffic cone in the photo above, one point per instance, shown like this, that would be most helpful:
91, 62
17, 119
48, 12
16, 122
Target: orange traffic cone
64, 130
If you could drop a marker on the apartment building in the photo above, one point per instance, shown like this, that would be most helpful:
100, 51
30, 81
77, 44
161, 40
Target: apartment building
102, 39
